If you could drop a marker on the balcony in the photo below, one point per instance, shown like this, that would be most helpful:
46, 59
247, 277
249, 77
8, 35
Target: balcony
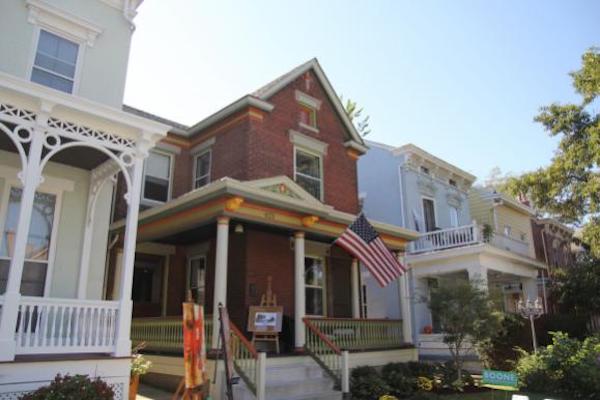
462, 236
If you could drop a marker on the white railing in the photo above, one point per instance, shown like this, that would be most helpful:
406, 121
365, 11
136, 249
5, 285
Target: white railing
511, 244
445, 239
59, 326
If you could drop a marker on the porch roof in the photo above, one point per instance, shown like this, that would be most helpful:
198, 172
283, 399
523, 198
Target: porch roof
277, 201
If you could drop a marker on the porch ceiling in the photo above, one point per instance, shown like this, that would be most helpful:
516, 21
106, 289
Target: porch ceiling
280, 203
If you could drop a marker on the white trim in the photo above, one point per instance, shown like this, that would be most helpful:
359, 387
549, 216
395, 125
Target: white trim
152, 202
246, 101
47, 15
188, 269
308, 143
309, 127
195, 166
307, 100
321, 172
203, 145
423, 212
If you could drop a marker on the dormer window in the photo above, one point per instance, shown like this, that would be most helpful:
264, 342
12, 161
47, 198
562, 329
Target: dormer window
424, 170
452, 182
55, 62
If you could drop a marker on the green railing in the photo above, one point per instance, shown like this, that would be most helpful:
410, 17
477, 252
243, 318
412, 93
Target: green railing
361, 334
249, 364
164, 334
327, 354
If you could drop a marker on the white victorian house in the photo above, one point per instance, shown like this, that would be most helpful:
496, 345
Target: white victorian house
63, 139
467, 233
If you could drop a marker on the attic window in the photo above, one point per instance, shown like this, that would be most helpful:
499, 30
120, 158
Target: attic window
424, 170
452, 182
308, 116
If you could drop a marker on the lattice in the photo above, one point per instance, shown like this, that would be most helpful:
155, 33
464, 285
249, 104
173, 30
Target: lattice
118, 388
12, 111
90, 133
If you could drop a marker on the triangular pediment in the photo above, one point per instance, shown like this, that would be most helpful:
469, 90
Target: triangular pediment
284, 186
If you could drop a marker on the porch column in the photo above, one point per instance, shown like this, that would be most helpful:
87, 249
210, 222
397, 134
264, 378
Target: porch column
479, 275
220, 289
12, 296
530, 289
355, 282
405, 308
123, 343
299, 295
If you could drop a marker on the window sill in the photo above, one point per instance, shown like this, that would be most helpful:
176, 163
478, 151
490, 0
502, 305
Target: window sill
151, 203
308, 127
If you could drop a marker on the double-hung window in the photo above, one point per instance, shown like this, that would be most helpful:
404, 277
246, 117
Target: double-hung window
314, 284
55, 62
157, 177
37, 250
308, 173
202, 171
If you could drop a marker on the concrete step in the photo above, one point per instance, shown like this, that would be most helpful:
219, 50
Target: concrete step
307, 387
293, 372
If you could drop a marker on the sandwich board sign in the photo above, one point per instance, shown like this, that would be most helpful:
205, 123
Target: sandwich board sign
500, 380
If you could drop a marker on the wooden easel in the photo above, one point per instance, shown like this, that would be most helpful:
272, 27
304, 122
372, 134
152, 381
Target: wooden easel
268, 299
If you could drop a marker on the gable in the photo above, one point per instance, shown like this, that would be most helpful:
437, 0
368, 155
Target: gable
284, 186
313, 70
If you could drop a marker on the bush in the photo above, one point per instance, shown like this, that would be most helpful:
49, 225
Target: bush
501, 351
403, 378
367, 384
567, 367
78, 387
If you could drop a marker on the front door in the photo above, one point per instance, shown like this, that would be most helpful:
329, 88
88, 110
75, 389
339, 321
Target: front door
147, 285
196, 279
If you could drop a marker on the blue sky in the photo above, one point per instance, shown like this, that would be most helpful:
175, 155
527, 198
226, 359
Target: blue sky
462, 79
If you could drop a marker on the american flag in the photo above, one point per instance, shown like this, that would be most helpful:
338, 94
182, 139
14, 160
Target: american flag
362, 241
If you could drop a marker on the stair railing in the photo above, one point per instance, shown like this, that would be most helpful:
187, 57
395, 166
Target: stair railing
330, 357
248, 363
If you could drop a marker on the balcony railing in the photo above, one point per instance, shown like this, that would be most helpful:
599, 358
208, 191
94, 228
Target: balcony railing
465, 236
446, 239
61, 326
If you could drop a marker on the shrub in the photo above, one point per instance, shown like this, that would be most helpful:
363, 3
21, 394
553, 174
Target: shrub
403, 378
77, 387
567, 366
366, 384
139, 365
501, 351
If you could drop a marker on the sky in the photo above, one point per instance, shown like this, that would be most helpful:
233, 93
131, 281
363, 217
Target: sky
461, 79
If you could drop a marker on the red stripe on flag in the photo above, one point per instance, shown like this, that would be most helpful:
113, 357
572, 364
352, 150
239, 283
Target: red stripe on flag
362, 252
341, 241
379, 260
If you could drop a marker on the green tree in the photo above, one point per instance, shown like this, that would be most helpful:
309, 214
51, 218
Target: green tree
569, 188
577, 288
355, 114
467, 317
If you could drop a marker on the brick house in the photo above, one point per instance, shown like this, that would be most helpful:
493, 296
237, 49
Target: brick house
259, 189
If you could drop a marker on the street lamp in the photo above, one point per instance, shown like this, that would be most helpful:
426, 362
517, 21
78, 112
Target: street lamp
531, 310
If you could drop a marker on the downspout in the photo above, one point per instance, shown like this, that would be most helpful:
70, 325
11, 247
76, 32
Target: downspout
129, 13
401, 189
547, 264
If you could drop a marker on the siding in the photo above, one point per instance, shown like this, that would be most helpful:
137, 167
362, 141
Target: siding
480, 208
520, 223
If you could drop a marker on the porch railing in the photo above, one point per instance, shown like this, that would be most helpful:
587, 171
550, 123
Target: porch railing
164, 334
53, 326
327, 354
361, 334
445, 239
